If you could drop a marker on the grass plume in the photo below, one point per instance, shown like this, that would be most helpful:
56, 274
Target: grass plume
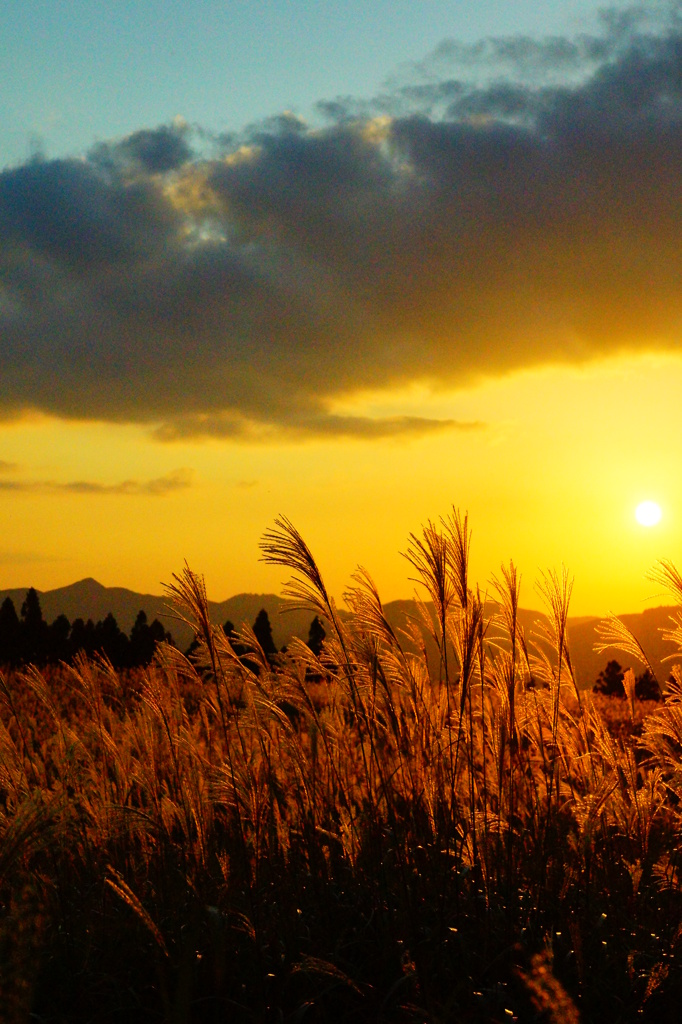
361, 834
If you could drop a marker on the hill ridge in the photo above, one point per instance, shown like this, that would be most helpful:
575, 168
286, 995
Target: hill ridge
88, 598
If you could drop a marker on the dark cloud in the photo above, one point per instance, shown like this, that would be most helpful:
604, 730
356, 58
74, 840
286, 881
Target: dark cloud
511, 204
62, 221
164, 149
154, 151
178, 480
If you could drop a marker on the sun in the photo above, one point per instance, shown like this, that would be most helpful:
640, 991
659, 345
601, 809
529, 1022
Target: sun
648, 513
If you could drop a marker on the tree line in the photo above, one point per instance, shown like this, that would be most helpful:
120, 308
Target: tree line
262, 630
610, 683
26, 638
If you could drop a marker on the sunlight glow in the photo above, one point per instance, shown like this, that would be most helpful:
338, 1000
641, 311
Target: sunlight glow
648, 513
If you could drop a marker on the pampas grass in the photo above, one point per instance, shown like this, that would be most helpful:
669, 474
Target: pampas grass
367, 835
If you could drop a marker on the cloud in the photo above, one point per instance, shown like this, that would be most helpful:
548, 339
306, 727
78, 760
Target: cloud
505, 205
177, 480
537, 59
13, 558
298, 428
8, 467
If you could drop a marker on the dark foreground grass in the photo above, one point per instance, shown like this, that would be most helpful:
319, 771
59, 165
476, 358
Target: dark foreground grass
364, 836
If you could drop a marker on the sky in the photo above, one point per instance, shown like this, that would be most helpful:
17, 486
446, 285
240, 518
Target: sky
353, 264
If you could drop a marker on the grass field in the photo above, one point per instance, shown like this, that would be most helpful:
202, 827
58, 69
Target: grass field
363, 836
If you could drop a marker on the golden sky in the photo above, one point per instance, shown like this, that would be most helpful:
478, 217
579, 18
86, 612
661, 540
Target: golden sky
552, 476
464, 290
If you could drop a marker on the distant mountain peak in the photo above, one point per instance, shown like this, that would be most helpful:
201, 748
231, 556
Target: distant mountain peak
88, 584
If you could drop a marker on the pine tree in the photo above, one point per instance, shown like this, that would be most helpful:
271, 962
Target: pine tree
33, 629
316, 635
263, 632
10, 639
610, 680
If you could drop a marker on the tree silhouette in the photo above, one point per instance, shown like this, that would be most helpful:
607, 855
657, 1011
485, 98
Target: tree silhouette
29, 639
112, 641
82, 637
231, 635
144, 637
263, 633
316, 635
34, 630
610, 680
59, 647
10, 637
646, 687
141, 645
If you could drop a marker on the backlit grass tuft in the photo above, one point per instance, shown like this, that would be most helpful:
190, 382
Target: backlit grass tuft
374, 834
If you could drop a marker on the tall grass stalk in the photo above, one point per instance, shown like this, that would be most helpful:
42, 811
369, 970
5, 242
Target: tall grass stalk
429, 821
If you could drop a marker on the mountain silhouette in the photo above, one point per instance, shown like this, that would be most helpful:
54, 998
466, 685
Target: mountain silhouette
646, 627
88, 599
